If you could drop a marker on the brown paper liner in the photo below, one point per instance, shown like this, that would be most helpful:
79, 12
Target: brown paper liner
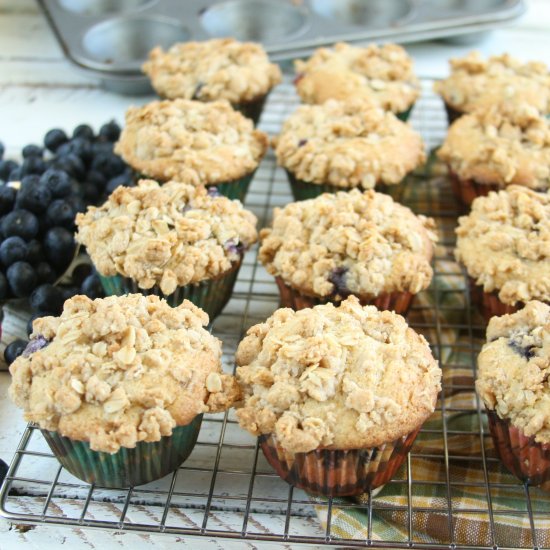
522, 455
400, 302
466, 191
488, 303
338, 472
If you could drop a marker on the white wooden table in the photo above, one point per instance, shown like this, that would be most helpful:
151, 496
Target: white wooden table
39, 90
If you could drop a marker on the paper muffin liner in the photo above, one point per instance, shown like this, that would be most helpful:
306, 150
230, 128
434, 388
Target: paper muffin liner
404, 115
488, 303
338, 472
251, 109
466, 191
452, 113
210, 295
127, 467
234, 189
400, 302
521, 455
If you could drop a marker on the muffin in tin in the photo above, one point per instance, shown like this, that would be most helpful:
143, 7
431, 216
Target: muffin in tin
504, 243
491, 149
512, 380
382, 74
176, 240
340, 145
336, 395
195, 142
221, 68
477, 83
118, 386
362, 244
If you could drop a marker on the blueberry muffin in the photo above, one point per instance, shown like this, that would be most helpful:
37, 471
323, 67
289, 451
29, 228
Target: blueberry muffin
339, 145
324, 249
504, 243
491, 149
382, 74
194, 142
118, 386
477, 83
336, 395
221, 68
176, 240
513, 370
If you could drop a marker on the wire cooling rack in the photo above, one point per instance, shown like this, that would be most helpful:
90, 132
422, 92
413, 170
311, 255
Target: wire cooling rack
226, 488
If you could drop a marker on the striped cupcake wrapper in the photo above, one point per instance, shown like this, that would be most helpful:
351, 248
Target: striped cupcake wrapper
210, 295
338, 472
127, 467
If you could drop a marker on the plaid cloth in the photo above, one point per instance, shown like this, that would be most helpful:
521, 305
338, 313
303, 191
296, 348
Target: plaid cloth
461, 503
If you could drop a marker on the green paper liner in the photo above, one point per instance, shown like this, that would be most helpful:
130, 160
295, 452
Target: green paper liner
400, 302
404, 115
235, 189
210, 295
466, 191
251, 109
488, 303
127, 467
341, 473
452, 113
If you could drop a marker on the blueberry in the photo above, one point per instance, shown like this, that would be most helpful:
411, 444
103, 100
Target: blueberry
34, 197
33, 318
80, 272
22, 279
13, 249
527, 352
29, 180
3, 471
72, 164
109, 164
338, 279
60, 213
45, 273
234, 248
35, 344
77, 203
32, 150
15, 175
2, 150
6, 168
100, 147
80, 147
7, 199
35, 254
55, 138
92, 287
109, 131
19, 223
124, 179
213, 191
69, 292
59, 247
83, 131
33, 165
96, 178
4, 287
57, 181
14, 350
46, 298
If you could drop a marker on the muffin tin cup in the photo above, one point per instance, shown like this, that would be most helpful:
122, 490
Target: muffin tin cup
210, 295
235, 189
466, 191
127, 467
400, 302
521, 455
488, 303
338, 473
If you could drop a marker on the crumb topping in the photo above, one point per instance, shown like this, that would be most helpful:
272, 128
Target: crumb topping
120, 370
170, 235
359, 243
348, 144
505, 244
191, 141
382, 74
222, 68
513, 369
340, 378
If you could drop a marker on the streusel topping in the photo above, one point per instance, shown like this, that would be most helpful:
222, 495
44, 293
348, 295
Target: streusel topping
342, 243
382, 74
343, 378
348, 144
170, 235
191, 141
513, 369
500, 145
477, 83
221, 68
120, 370
505, 244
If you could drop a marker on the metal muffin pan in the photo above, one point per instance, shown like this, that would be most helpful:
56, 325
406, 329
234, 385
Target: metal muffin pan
110, 39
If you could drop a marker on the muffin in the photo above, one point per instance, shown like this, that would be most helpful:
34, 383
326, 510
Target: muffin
362, 244
476, 83
512, 380
118, 386
504, 243
336, 395
221, 68
491, 149
195, 142
341, 145
176, 241
382, 74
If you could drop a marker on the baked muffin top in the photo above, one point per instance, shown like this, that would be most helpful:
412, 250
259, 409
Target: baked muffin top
382, 74
348, 144
505, 244
170, 235
513, 369
191, 141
338, 378
120, 370
502, 145
349, 243
478, 83
221, 68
